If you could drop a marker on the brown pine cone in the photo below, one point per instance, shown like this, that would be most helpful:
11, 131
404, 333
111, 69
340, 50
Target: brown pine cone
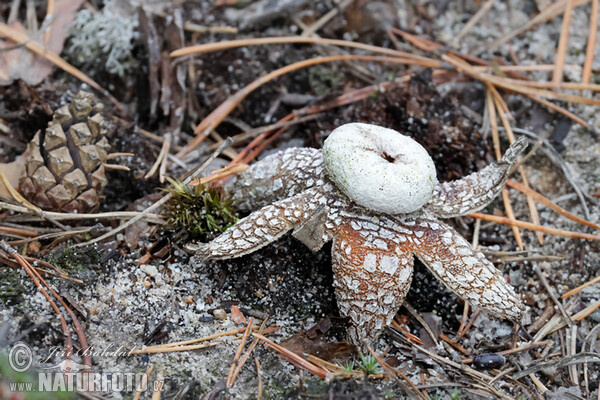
64, 167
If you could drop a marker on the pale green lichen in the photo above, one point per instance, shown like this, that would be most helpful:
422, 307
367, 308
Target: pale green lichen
105, 39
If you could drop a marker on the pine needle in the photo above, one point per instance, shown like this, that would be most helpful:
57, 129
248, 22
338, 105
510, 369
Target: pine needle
561, 51
533, 227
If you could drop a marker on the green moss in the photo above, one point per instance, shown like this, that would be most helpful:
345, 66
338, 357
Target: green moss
11, 288
73, 260
198, 211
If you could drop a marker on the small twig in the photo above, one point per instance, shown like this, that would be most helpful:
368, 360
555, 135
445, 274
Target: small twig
469, 324
259, 389
540, 275
547, 313
454, 344
418, 317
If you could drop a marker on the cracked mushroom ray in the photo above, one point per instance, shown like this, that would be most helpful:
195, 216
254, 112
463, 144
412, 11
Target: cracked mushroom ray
342, 193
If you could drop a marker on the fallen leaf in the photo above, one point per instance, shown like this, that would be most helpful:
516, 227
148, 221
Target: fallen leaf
20, 63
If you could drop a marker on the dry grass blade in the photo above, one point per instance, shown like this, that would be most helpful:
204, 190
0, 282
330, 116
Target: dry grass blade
187, 342
161, 159
259, 390
548, 203
222, 111
16, 195
533, 227
293, 357
591, 44
55, 59
520, 68
333, 368
230, 44
561, 51
586, 312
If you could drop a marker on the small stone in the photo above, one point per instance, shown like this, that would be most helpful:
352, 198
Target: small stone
219, 313
149, 270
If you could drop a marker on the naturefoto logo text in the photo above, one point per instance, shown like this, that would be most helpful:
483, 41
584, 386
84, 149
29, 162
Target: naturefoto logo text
72, 376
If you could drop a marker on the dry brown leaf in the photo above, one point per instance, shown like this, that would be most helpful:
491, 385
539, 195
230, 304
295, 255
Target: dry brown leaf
21, 63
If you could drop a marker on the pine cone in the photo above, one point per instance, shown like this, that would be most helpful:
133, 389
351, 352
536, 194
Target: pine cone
64, 167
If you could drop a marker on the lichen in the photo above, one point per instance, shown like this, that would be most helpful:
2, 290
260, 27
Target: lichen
106, 39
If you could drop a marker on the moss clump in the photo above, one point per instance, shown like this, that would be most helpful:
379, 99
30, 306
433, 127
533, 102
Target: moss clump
198, 212
72, 260
11, 287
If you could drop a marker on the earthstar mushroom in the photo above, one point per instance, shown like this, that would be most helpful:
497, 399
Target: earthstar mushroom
376, 230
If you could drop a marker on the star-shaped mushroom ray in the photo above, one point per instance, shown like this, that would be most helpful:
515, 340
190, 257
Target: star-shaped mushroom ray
371, 279
461, 268
261, 227
277, 177
474, 192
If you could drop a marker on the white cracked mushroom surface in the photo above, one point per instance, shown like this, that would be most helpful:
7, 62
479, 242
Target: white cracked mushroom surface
372, 252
